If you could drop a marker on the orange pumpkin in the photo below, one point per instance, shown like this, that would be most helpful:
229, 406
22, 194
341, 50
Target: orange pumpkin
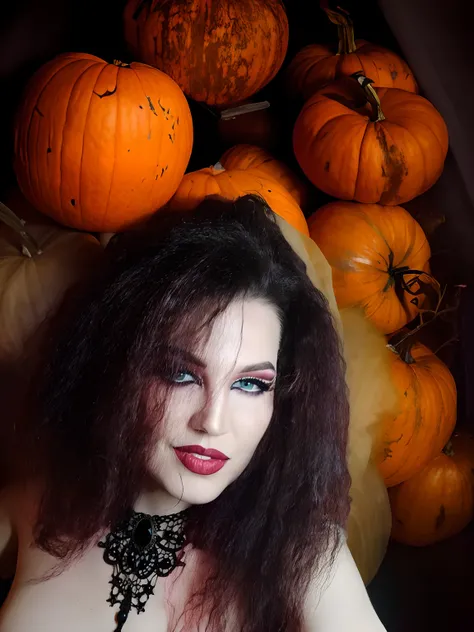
231, 184
427, 405
101, 146
251, 157
219, 51
435, 504
317, 65
380, 145
378, 256
39, 262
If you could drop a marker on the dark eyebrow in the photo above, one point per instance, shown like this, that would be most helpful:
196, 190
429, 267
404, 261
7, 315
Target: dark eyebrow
188, 357
262, 366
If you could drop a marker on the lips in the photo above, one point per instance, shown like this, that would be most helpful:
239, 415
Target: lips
200, 460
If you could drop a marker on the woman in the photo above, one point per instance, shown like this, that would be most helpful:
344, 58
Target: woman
188, 469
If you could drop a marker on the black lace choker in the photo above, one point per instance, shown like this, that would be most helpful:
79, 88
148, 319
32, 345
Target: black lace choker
141, 549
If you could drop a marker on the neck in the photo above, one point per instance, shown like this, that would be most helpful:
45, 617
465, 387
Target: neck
157, 502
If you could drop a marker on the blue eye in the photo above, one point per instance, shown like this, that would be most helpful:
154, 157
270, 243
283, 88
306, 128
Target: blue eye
184, 377
251, 385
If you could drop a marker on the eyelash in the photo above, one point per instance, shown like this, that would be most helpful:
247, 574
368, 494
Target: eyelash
188, 372
263, 385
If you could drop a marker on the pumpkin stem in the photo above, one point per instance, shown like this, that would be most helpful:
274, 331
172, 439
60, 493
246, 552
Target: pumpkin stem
246, 108
345, 30
402, 344
29, 246
219, 166
122, 64
371, 96
419, 283
448, 448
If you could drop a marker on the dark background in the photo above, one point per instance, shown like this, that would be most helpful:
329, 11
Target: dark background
427, 589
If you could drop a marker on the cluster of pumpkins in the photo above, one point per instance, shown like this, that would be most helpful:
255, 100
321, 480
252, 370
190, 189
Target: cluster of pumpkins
100, 147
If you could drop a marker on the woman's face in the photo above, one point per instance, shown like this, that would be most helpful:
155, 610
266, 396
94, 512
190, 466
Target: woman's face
219, 406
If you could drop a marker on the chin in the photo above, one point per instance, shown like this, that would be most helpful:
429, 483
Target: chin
194, 489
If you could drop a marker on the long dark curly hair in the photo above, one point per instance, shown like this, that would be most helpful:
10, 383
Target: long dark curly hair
270, 531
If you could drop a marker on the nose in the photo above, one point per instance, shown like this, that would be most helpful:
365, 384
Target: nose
212, 417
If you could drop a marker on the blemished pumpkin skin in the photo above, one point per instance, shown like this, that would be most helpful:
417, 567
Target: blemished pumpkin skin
252, 157
36, 270
427, 417
219, 51
371, 250
435, 504
100, 146
371, 145
317, 65
232, 184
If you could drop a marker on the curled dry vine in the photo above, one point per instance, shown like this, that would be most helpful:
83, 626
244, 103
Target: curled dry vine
445, 305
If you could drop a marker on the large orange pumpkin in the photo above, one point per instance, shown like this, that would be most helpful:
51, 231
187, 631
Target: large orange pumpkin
379, 257
101, 146
232, 184
252, 157
317, 65
435, 504
427, 404
372, 145
219, 51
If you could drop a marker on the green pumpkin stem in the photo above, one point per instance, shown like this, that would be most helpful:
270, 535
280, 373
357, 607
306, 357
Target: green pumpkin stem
402, 343
448, 449
29, 247
371, 96
121, 64
345, 30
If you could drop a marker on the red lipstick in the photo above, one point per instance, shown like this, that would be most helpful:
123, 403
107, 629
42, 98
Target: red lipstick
212, 462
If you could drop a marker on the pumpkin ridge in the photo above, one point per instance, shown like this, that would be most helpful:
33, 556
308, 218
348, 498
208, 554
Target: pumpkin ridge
361, 63
311, 67
433, 135
421, 123
376, 69
339, 62
417, 142
395, 168
77, 79
82, 147
375, 228
114, 159
330, 121
27, 137
367, 127
409, 251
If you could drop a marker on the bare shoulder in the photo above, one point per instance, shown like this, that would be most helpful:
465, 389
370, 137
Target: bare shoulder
338, 601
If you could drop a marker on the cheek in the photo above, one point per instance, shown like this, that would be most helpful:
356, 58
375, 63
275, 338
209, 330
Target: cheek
252, 418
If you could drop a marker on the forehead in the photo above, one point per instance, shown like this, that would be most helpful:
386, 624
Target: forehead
247, 332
